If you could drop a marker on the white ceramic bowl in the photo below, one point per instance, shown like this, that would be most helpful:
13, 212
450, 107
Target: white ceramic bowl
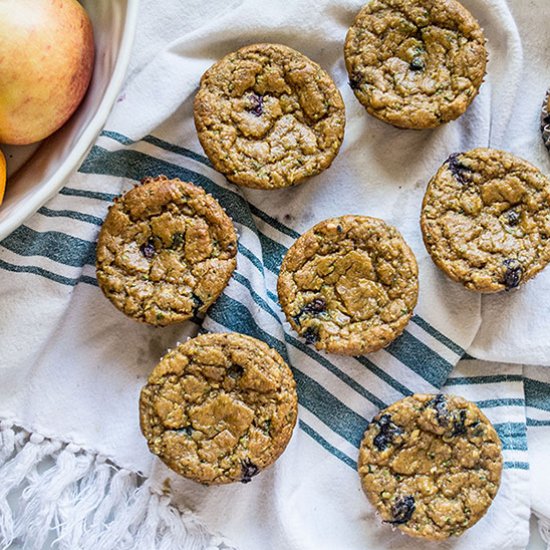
37, 172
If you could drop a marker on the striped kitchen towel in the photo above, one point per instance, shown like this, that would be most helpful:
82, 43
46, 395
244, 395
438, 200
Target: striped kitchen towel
71, 366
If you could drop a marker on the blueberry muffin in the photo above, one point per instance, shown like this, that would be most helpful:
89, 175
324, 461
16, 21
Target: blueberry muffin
486, 220
349, 285
269, 117
415, 63
431, 465
165, 252
219, 408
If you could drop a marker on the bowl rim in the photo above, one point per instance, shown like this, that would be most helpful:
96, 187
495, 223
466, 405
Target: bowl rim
90, 133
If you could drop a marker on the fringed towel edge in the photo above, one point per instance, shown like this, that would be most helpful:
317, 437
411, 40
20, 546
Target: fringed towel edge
57, 494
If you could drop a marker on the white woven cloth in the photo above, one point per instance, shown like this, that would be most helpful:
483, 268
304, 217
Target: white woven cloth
71, 366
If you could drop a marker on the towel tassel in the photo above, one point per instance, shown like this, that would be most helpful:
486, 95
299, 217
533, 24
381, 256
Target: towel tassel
56, 494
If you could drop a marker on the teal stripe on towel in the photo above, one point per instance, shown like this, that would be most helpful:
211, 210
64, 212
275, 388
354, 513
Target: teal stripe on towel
513, 435
59, 247
72, 214
503, 402
421, 359
35, 270
438, 335
491, 379
516, 465
535, 423
537, 394
71, 192
324, 443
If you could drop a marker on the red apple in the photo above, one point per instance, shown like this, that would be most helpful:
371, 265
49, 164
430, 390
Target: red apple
46, 62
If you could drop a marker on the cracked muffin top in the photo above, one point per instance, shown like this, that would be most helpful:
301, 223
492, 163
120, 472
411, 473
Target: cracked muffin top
415, 63
269, 117
431, 465
349, 285
219, 408
486, 220
165, 252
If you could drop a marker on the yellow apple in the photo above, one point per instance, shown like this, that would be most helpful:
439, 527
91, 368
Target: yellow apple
46, 62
